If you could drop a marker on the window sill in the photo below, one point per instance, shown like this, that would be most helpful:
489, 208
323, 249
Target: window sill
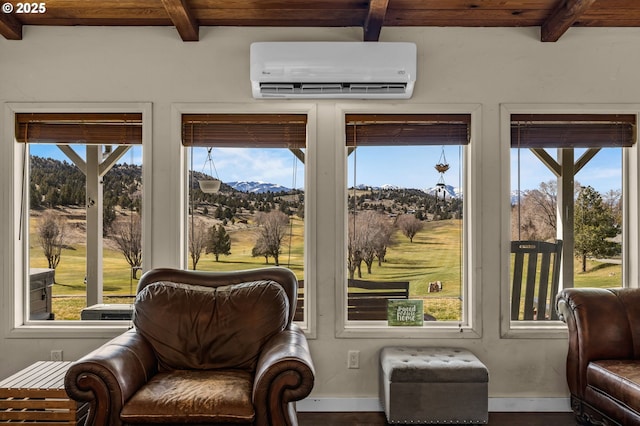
68, 329
379, 329
535, 330
82, 330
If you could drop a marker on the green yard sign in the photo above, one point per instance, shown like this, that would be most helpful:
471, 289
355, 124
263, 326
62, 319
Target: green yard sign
405, 312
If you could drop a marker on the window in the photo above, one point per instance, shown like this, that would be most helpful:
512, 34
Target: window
246, 192
407, 217
80, 216
568, 183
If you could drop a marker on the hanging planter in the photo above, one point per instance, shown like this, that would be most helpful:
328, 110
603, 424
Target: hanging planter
442, 167
210, 186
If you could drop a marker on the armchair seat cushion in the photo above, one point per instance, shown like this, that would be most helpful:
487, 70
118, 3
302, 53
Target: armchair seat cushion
617, 378
189, 396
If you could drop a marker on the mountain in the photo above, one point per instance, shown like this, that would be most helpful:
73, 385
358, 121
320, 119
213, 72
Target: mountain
515, 196
257, 187
386, 187
449, 190
389, 187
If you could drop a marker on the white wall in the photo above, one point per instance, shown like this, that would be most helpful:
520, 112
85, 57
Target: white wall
487, 66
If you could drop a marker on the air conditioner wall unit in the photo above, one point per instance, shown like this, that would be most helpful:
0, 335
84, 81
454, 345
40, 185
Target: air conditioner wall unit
363, 70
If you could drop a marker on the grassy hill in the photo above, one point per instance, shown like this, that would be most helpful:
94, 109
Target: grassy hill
432, 256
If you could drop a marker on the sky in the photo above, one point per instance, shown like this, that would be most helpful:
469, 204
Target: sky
405, 167
603, 172
275, 165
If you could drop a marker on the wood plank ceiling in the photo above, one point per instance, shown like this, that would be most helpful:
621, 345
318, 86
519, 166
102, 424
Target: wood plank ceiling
554, 17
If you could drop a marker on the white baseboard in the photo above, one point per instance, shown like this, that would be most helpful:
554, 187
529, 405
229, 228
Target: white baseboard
523, 405
338, 405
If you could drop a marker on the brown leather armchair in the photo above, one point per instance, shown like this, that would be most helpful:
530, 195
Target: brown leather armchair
603, 361
207, 348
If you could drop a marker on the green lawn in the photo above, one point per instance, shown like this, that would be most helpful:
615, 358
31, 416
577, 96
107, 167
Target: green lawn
432, 256
603, 275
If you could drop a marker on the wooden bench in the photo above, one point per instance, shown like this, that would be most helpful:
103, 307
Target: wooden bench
367, 300
36, 396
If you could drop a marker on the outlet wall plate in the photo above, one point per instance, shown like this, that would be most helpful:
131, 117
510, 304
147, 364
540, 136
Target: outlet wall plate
353, 359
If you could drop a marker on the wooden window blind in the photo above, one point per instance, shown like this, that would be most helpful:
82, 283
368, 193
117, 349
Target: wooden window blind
572, 130
245, 130
76, 128
407, 129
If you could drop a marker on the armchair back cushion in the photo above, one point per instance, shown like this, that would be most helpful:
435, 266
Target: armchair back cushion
205, 328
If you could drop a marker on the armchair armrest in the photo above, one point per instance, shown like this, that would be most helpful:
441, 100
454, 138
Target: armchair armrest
598, 323
108, 376
284, 374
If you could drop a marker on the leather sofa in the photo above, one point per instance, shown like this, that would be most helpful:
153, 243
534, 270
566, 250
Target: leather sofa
603, 360
206, 348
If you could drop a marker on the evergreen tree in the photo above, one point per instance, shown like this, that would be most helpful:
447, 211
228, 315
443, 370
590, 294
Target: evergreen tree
218, 242
108, 215
595, 227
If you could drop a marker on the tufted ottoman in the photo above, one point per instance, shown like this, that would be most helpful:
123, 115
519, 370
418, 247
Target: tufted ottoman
433, 385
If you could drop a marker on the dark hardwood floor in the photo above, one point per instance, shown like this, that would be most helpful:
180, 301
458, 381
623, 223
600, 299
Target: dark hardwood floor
378, 419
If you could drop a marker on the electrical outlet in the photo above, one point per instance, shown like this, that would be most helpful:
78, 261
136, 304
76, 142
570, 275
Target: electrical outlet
353, 359
56, 355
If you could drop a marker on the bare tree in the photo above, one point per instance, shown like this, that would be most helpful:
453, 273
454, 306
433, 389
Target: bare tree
409, 225
613, 199
369, 235
354, 248
51, 234
260, 249
535, 218
128, 237
383, 241
378, 231
272, 229
197, 241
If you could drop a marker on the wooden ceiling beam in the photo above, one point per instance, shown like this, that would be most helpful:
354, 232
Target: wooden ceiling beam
566, 14
183, 19
375, 19
10, 27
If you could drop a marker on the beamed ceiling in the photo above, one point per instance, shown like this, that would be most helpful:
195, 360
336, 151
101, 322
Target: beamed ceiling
553, 17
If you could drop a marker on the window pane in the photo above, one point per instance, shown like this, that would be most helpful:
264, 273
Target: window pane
255, 218
598, 223
594, 235
80, 257
405, 228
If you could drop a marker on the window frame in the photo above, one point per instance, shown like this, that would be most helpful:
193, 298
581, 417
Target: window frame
471, 326
631, 207
180, 109
15, 291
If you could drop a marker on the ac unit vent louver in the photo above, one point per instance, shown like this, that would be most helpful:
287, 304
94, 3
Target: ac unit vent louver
276, 89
